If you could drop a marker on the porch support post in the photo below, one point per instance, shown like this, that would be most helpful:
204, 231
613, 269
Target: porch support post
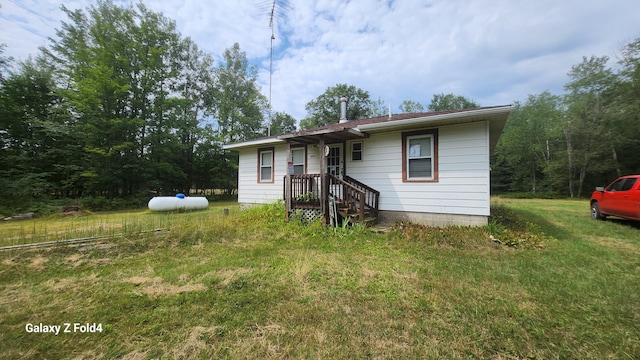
324, 194
287, 180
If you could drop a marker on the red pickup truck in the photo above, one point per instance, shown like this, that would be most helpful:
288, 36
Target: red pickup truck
621, 199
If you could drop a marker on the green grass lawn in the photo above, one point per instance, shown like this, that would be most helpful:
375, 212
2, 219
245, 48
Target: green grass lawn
85, 224
250, 285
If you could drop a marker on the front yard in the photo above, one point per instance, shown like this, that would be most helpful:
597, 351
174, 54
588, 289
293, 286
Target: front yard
250, 285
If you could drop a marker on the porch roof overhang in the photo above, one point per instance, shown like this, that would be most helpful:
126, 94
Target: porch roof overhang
257, 142
329, 135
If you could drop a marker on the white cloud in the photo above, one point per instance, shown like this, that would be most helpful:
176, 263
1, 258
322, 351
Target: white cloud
492, 51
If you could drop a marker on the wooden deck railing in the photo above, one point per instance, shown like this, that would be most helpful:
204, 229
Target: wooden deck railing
349, 195
303, 191
312, 191
306, 188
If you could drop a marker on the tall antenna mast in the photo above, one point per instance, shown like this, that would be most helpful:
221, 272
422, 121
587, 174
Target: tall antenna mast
273, 37
275, 9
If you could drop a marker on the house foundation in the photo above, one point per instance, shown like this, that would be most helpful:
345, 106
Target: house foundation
387, 217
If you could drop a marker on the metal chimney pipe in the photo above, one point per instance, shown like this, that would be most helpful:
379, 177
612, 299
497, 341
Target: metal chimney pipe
343, 110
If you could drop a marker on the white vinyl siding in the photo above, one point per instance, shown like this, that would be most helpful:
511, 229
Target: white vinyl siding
250, 191
463, 172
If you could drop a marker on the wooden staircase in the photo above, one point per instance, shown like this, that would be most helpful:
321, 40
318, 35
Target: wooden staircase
336, 199
353, 217
355, 202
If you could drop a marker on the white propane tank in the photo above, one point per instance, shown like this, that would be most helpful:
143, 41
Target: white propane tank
178, 202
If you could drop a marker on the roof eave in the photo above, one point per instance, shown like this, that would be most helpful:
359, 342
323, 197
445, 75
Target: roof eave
497, 118
258, 142
466, 116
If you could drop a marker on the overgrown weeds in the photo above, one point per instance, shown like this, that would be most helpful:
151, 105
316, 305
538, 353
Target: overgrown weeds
512, 229
252, 285
505, 227
454, 236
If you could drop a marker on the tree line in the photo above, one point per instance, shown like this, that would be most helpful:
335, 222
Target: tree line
566, 144
122, 106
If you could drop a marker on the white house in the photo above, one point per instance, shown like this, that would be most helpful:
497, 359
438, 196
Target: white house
431, 168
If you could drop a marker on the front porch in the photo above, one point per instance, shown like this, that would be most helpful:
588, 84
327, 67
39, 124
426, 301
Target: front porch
331, 198
329, 194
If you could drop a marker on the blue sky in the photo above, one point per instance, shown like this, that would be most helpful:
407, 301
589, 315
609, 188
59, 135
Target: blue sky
492, 51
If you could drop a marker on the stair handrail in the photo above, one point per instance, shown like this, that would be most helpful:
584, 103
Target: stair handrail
375, 194
361, 192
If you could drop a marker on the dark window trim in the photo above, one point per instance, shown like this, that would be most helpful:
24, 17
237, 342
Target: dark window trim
273, 152
361, 151
405, 135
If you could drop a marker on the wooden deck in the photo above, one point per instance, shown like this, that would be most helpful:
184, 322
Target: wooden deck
353, 201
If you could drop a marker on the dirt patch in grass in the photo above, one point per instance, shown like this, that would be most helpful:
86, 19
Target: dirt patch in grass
74, 260
9, 262
14, 293
89, 355
228, 275
167, 289
61, 284
195, 342
157, 287
136, 355
38, 262
102, 261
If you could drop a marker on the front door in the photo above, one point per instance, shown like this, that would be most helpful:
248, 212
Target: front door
334, 167
334, 160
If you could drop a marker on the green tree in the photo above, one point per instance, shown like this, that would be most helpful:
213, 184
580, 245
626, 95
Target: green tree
213, 167
528, 144
410, 106
442, 102
625, 118
38, 154
239, 105
282, 123
5, 62
92, 56
378, 108
325, 109
139, 93
584, 126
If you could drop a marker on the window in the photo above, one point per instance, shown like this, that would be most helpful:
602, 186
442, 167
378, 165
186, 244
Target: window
265, 165
356, 151
298, 159
622, 184
628, 184
420, 156
616, 186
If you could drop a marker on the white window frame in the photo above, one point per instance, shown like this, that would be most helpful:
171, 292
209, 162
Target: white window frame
303, 163
432, 135
268, 152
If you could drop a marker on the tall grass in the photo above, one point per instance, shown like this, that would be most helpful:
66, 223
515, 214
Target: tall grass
88, 225
251, 285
